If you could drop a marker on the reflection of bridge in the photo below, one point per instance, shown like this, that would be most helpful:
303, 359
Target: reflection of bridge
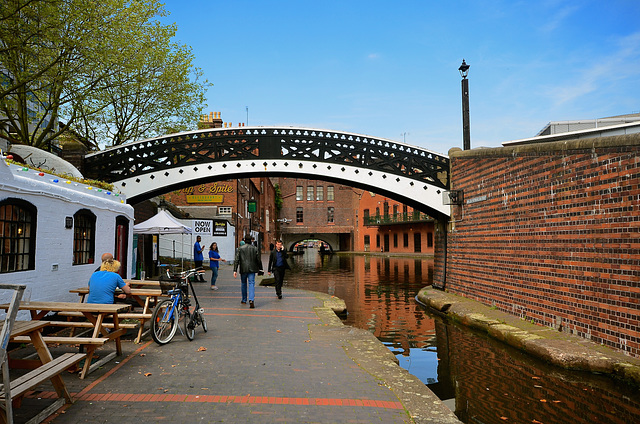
144, 169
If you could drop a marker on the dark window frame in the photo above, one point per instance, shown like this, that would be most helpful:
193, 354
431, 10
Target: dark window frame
84, 237
17, 235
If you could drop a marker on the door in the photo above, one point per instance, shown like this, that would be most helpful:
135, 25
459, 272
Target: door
120, 250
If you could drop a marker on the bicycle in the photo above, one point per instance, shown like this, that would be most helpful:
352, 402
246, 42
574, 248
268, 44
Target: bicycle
168, 314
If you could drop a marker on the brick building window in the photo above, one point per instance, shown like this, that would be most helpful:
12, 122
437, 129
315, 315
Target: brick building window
17, 235
395, 239
377, 240
84, 237
309, 193
299, 193
417, 242
405, 240
299, 215
429, 239
330, 213
367, 243
330, 195
395, 212
320, 193
224, 210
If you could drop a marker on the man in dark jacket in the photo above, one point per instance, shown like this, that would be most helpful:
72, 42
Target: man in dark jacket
278, 265
249, 262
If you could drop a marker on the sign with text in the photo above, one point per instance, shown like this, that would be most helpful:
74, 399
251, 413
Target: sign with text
202, 227
220, 228
205, 198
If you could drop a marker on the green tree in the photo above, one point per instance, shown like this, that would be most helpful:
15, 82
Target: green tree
72, 61
161, 92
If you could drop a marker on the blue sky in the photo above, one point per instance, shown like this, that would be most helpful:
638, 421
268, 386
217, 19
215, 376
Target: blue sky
389, 69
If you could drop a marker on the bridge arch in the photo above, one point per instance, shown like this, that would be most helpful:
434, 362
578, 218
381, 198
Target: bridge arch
141, 170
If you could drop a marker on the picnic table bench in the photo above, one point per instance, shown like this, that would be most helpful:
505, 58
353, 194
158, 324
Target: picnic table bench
95, 313
144, 297
48, 368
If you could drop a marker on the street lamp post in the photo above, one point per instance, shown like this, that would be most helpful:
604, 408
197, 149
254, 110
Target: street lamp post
466, 130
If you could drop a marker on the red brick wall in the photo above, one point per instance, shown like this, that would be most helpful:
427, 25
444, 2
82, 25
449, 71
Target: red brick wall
551, 232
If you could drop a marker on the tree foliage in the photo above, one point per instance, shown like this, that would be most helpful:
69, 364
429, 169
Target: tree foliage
108, 70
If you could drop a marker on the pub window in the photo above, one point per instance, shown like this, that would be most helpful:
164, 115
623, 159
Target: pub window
84, 237
299, 193
299, 215
330, 193
17, 235
309, 193
330, 213
320, 193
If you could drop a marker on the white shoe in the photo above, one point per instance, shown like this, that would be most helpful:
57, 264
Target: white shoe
214, 287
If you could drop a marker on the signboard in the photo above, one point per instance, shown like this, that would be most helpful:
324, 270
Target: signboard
220, 228
202, 227
252, 206
205, 198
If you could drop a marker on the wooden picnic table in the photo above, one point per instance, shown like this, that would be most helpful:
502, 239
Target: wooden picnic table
145, 297
46, 368
94, 313
143, 283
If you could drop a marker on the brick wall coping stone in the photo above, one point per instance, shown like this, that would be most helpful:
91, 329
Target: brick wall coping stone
558, 348
627, 140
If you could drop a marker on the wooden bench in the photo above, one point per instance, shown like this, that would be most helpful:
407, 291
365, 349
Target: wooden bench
46, 368
23, 384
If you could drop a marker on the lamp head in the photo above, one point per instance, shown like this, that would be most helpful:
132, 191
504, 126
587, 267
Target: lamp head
464, 69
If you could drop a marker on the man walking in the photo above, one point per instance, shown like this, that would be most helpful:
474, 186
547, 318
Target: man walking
249, 262
278, 265
198, 257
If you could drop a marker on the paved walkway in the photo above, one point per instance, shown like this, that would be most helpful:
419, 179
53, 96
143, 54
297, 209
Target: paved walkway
286, 361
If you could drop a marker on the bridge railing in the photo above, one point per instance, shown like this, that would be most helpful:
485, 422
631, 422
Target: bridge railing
397, 218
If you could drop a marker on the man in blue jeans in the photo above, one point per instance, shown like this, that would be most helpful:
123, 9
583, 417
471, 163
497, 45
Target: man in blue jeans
198, 257
249, 261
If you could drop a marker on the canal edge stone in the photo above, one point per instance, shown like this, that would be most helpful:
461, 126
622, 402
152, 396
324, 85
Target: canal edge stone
365, 350
560, 349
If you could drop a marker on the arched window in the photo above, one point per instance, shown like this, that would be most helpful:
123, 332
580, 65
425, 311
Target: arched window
84, 237
17, 235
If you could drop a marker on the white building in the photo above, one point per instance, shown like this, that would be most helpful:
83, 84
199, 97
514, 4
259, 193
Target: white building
53, 232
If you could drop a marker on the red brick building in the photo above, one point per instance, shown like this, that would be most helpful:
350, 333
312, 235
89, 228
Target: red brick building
318, 209
357, 220
231, 200
387, 225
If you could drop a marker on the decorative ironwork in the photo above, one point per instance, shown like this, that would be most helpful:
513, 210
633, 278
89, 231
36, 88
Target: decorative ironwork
397, 218
260, 144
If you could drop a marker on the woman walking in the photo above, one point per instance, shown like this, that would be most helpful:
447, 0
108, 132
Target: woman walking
214, 263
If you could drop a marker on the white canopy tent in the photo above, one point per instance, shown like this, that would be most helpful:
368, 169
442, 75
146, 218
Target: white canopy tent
162, 223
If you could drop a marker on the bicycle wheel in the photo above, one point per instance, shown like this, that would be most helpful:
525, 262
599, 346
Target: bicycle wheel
164, 322
190, 325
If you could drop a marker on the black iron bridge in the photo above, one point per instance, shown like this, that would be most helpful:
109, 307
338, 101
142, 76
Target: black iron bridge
144, 169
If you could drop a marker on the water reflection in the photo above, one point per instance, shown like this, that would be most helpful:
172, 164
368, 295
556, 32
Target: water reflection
491, 382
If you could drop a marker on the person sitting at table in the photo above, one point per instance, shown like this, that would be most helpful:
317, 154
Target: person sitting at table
103, 284
105, 257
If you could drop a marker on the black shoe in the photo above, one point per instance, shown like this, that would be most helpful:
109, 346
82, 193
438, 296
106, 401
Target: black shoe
243, 302
251, 305
279, 296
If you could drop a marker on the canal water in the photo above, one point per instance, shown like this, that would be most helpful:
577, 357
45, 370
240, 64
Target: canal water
480, 379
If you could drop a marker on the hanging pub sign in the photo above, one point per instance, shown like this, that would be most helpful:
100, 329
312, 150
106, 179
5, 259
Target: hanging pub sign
202, 227
219, 228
